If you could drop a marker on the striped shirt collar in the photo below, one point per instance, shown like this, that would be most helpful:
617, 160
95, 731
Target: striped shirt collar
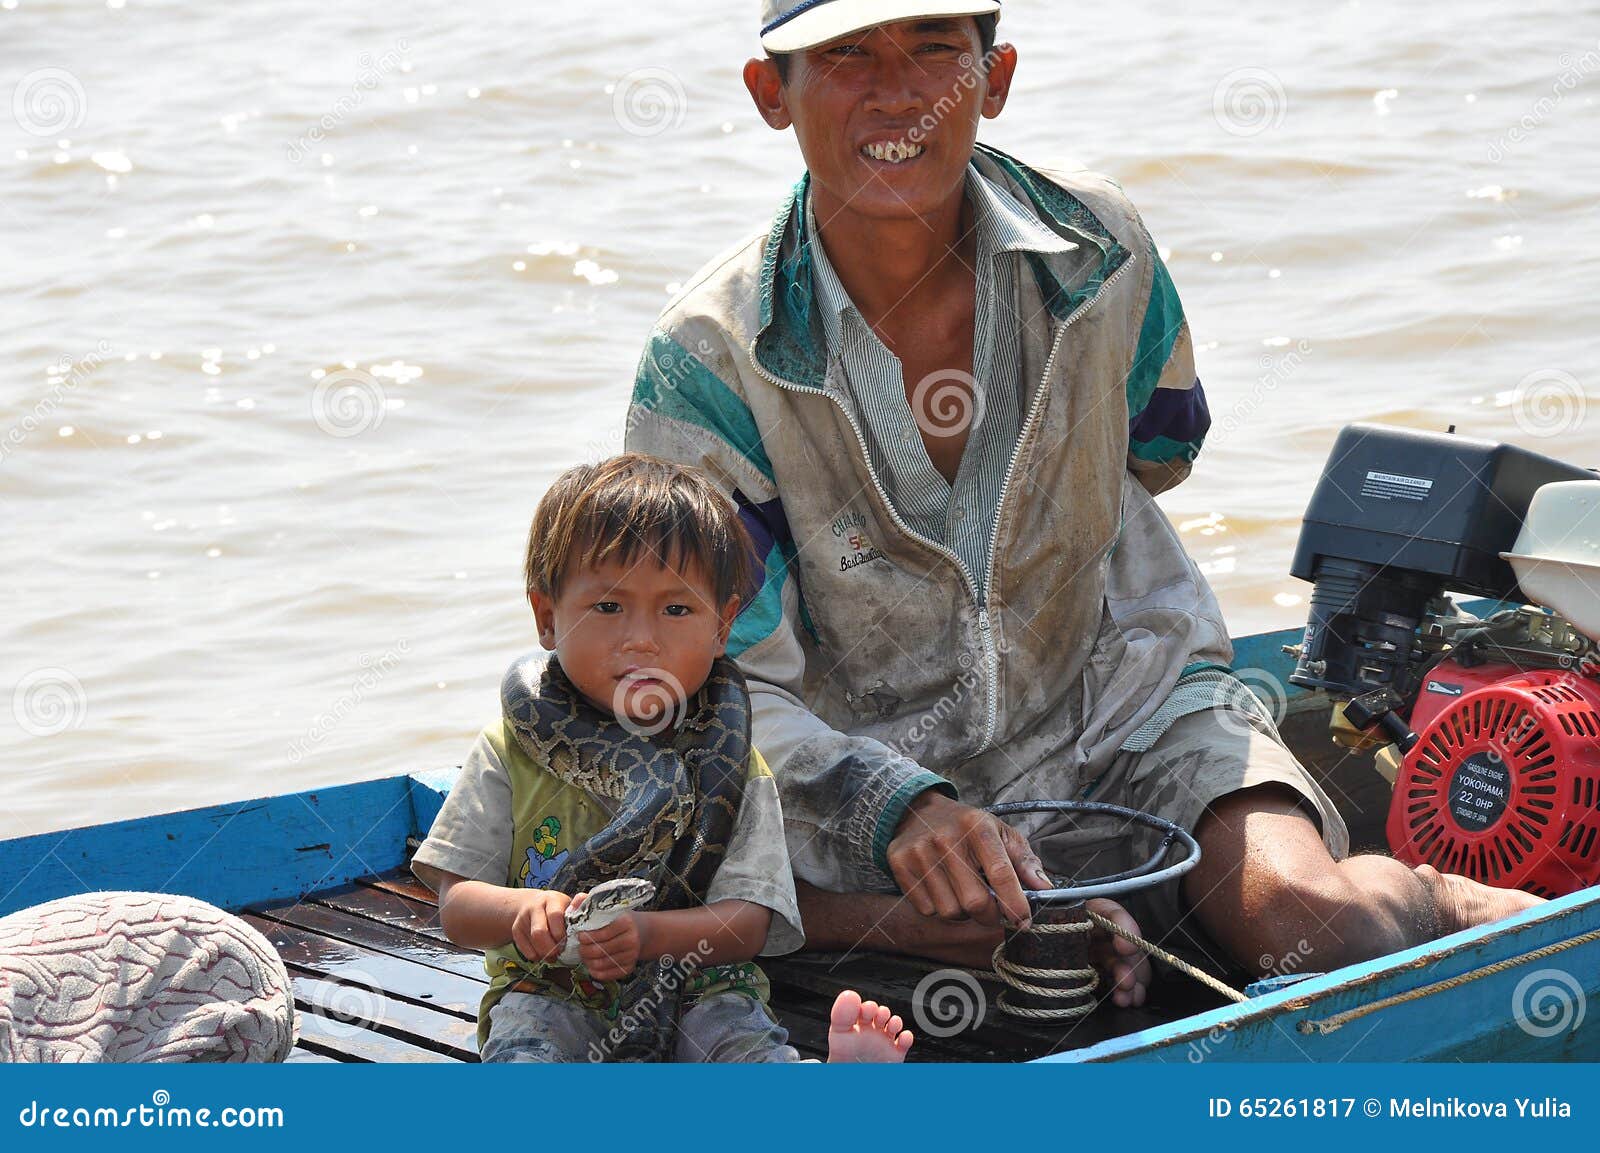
1003, 225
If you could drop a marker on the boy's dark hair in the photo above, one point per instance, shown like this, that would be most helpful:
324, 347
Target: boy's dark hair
632, 505
987, 24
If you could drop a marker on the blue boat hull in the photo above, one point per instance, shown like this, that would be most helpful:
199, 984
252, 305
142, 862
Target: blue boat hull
1516, 990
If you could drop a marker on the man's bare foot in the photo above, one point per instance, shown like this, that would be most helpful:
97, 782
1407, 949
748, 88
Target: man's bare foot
861, 1031
1463, 902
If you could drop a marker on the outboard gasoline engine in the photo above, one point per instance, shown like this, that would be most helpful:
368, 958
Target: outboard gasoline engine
1492, 724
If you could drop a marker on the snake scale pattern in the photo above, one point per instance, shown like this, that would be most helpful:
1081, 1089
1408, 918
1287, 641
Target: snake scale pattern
677, 798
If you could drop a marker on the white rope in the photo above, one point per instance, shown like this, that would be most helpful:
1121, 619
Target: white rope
1076, 984
1082, 986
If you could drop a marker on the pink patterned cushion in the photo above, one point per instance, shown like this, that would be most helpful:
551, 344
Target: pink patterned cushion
140, 977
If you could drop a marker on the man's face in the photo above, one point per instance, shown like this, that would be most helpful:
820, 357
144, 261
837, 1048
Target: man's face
637, 640
919, 86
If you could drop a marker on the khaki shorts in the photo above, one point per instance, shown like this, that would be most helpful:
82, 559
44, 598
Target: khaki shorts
1202, 757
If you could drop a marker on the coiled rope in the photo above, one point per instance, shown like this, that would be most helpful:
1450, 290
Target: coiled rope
1078, 985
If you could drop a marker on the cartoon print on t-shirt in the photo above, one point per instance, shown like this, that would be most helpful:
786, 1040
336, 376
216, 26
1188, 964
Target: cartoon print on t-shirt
543, 861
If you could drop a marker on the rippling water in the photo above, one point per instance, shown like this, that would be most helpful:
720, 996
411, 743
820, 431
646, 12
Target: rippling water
307, 303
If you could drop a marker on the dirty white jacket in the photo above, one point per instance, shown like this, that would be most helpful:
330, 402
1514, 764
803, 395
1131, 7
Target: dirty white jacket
875, 673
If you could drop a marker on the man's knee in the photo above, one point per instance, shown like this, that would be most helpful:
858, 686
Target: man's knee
1269, 889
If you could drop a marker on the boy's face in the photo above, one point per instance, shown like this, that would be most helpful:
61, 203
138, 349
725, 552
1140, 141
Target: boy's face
636, 640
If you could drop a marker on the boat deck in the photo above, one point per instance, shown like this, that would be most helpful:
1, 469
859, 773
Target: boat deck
376, 980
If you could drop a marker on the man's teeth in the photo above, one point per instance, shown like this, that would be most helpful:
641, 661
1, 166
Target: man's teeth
894, 151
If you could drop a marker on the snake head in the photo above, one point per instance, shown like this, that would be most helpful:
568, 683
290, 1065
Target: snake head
619, 894
605, 903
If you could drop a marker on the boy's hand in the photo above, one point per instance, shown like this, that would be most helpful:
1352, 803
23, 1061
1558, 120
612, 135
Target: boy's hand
540, 926
612, 953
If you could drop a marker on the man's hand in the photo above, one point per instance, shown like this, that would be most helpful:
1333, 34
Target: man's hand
1123, 964
612, 952
956, 862
540, 927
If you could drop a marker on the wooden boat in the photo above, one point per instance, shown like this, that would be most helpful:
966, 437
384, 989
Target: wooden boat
323, 875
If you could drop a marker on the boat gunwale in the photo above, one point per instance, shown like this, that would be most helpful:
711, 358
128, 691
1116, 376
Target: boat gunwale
1431, 958
413, 800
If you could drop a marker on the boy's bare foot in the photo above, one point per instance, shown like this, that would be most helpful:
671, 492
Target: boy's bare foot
1464, 903
861, 1031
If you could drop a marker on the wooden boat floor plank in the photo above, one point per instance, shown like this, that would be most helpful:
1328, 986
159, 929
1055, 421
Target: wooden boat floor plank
808, 986
341, 1042
804, 987
300, 1055
336, 960
402, 884
805, 1015
352, 1007
379, 937
895, 981
807, 1033
390, 908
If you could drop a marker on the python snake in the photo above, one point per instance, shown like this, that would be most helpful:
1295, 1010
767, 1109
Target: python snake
677, 796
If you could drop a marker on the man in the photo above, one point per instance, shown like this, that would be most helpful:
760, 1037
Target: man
943, 388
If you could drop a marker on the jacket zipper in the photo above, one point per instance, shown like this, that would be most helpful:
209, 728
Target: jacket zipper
991, 651
894, 513
991, 655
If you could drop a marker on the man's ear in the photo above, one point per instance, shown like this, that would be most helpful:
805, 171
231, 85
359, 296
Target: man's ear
766, 89
1002, 68
729, 612
544, 612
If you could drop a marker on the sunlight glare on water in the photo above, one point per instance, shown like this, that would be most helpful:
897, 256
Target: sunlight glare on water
307, 304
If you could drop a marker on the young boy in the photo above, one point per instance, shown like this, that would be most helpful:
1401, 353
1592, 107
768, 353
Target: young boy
635, 570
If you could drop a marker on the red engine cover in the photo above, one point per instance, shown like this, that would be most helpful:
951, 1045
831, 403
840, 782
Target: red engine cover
1504, 784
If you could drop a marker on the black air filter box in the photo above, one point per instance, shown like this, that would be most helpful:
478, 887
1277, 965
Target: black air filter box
1427, 503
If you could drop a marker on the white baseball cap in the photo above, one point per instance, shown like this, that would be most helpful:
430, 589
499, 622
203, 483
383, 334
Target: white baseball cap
790, 25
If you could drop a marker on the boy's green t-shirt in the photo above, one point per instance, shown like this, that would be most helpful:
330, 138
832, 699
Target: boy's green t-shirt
551, 819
